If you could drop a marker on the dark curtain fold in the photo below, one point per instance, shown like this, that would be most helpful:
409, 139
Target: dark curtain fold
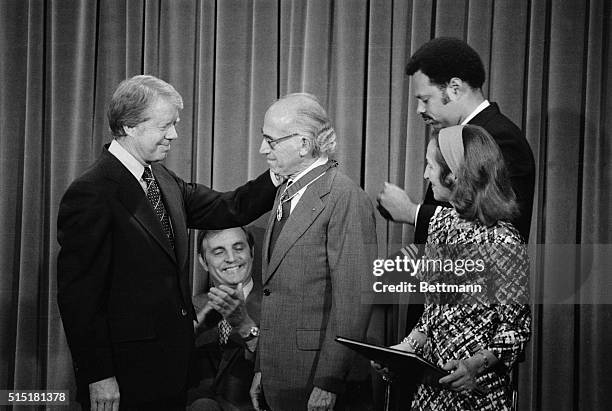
549, 69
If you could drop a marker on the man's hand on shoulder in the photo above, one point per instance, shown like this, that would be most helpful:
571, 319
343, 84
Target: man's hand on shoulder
321, 400
104, 395
394, 204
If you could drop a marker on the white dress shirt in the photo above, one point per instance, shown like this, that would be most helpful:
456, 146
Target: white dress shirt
128, 160
296, 198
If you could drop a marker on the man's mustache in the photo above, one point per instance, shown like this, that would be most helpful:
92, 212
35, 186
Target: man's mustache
425, 117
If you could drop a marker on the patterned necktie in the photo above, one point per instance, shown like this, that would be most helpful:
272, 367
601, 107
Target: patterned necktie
279, 223
225, 330
154, 197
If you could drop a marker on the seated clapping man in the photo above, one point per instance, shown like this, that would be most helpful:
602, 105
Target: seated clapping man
228, 316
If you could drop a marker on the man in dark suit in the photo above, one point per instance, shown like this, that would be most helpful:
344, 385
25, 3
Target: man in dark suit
228, 315
447, 80
318, 252
123, 280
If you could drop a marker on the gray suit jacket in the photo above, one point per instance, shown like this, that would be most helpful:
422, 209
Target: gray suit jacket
312, 287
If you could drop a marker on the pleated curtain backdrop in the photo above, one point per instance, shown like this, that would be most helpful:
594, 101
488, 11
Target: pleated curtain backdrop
549, 69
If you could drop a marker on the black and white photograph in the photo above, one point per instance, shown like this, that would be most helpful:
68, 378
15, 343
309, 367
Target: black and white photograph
305, 205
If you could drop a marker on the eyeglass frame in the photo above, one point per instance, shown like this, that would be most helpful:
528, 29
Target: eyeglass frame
273, 142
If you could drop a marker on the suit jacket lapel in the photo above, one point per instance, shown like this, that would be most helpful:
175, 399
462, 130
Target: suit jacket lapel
133, 198
268, 233
310, 205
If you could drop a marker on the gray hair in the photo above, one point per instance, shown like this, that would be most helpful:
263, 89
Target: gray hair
133, 97
311, 120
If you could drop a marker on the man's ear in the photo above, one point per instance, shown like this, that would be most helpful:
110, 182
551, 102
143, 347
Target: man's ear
203, 262
455, 88
306, 147
129, 131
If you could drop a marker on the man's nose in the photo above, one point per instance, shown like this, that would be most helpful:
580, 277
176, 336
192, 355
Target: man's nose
230, 256
420, 107
172, 134
264, 148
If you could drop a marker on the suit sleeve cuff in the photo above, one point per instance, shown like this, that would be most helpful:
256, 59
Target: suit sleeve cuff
330, 384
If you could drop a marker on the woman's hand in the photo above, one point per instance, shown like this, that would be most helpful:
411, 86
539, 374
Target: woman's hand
463, 375
384, 371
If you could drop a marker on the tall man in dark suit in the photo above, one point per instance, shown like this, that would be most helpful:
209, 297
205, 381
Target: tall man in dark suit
318, 250
447, 80
123, 283
228, 317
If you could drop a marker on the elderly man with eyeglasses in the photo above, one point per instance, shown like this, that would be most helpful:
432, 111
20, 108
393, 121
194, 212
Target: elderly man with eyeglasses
319, 246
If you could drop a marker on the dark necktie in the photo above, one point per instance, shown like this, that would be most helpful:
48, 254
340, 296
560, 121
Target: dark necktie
154, 197
289, 190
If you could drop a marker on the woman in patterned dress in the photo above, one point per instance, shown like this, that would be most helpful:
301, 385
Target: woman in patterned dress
478, 335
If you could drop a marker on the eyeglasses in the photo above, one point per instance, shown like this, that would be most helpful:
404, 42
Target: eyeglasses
272, 142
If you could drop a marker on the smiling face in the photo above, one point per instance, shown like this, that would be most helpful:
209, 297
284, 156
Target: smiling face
149, 141
433, 171
435, 105
227, 256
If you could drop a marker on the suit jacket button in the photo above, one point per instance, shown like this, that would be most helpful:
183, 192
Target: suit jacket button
183, 312
266, 292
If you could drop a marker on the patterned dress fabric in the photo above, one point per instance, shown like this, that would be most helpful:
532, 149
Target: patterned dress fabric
458, 325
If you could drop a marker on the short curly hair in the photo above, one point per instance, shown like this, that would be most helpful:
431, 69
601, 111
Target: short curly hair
446, 57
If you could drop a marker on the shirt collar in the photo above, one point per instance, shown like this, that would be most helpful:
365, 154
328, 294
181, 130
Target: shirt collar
318, 162
247, 288
478, 109
126, 159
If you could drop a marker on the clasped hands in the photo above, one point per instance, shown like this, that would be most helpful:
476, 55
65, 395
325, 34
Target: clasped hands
230, 303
